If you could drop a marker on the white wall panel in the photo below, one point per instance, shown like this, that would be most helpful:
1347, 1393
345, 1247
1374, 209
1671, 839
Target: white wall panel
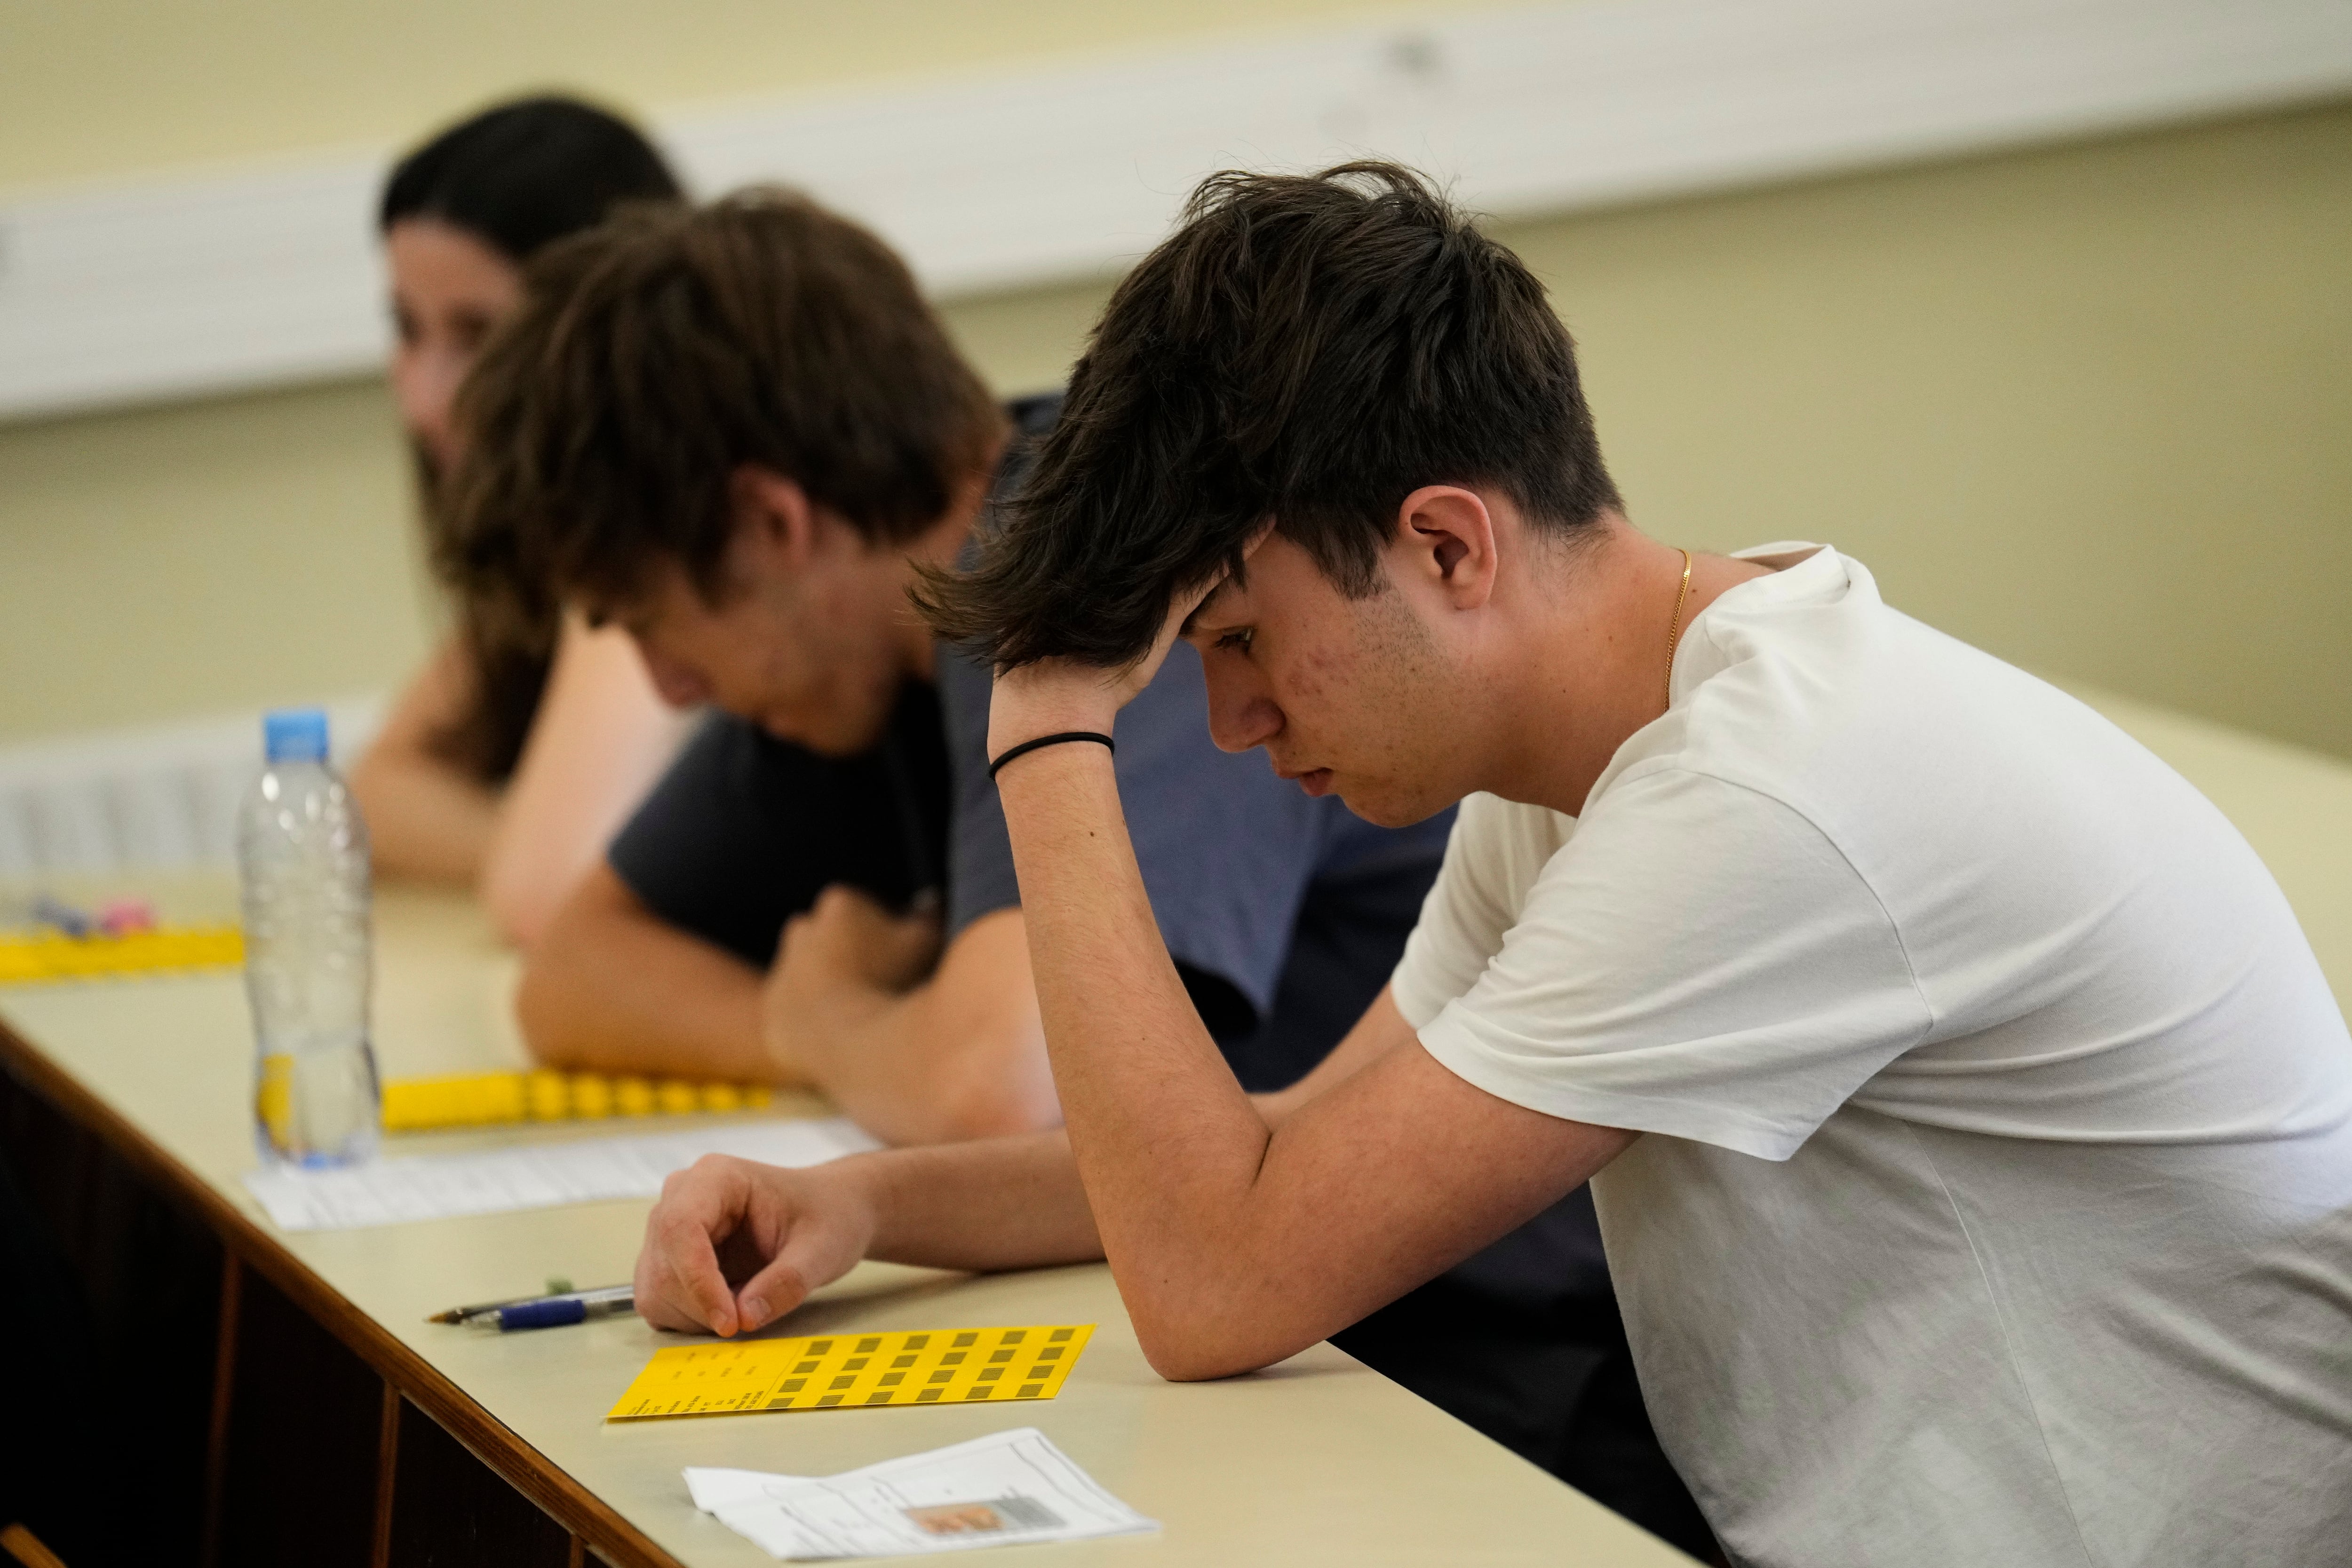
155, 797
253, 275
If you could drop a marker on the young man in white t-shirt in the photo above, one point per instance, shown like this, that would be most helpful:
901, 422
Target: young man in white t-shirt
1971, 1124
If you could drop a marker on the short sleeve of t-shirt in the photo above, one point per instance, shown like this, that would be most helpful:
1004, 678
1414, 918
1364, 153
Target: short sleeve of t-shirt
744, 829
1492, 860
1226, 848
1695, 958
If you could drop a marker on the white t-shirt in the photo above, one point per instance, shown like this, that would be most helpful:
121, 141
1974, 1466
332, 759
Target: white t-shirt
1995, 1204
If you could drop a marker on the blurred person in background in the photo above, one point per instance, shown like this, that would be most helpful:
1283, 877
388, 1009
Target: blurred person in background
514, 754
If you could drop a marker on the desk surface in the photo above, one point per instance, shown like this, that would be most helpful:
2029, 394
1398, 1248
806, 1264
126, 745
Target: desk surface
1317, 1460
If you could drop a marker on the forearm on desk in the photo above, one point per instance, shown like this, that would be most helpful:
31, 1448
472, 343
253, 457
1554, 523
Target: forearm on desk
733, 1244
1017, 1202
998, 1203
611, 987
959, 1055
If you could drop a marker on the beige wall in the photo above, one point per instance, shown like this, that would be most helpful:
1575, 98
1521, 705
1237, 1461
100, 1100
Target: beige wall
2089, 407
2085, 406
99, 87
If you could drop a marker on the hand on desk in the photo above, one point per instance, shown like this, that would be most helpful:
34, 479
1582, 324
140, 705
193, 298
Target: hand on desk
734, 1245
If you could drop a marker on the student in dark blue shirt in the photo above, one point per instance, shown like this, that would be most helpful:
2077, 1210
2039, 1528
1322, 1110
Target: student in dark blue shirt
737, 432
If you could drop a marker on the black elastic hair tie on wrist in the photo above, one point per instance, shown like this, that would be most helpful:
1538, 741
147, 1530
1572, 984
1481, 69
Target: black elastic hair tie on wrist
1027, 747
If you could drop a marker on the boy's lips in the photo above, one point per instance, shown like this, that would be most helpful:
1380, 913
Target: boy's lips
1314, 780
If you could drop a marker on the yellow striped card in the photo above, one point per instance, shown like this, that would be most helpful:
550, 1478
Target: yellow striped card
829, 1372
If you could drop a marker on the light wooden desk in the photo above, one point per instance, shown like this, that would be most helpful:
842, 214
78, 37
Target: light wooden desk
1318, 1460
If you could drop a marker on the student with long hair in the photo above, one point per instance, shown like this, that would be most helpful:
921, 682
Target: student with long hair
514, 753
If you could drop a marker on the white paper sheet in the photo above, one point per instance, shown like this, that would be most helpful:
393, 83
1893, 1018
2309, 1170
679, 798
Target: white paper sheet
713, 1488
1010, 1488
435, 1187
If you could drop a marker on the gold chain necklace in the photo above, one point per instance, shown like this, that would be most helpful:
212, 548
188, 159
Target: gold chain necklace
1675, 631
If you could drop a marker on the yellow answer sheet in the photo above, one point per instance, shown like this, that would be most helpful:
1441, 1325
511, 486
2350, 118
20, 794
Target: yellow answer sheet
825, 1371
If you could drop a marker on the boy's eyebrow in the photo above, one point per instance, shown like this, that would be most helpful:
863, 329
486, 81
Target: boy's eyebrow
1192, 622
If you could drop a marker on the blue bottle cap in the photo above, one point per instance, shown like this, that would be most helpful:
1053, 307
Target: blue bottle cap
295, 734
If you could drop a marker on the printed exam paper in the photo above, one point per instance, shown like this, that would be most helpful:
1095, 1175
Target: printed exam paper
1011, 1488
540, 1176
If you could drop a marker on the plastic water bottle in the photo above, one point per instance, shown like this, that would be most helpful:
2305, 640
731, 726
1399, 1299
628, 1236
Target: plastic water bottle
302, 851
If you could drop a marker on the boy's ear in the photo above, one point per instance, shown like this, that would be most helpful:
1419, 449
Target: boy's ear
771, 511
1447, 536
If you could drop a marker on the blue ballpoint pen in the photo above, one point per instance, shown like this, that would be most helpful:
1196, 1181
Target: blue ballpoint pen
547, 1311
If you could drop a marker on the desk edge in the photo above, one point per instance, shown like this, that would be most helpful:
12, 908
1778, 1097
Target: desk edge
488, 1439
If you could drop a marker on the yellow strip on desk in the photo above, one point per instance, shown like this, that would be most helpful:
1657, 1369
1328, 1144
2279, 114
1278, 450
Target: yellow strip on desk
52, 956
410, 1104
491, 1099
827, 1372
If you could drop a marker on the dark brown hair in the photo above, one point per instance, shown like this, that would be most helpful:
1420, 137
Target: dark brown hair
656, 354
522, 175
1304, 352
519, 176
